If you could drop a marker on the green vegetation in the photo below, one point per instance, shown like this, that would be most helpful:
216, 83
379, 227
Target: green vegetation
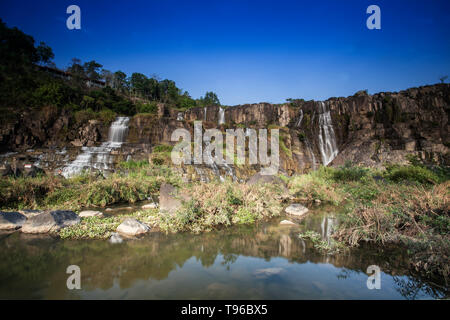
85, 190
218, 204
29, 79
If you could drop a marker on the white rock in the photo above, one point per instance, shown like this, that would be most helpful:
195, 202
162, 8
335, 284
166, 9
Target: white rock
90, 213
296, 209
288, 223
132, 227
150, 206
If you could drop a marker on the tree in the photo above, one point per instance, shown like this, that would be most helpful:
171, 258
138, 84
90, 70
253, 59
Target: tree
443, 78
44, 53
108, 77
92, 70
120, 81
209, 99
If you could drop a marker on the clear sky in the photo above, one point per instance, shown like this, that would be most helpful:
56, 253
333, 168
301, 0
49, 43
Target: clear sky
251, 51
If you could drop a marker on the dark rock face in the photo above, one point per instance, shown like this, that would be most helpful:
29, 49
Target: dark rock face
49, 127
368, 129
50, 221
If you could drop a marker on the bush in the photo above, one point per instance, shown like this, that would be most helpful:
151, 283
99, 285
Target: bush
349, 173
411, 173
149, 107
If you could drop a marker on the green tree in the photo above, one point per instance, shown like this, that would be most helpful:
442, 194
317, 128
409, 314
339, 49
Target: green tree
209, 99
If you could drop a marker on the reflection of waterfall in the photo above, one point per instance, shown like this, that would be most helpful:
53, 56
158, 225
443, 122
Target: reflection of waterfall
327, 139
326, 227
221, 116
99, 157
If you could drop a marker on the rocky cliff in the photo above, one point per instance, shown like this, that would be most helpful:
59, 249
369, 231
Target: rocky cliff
364, 129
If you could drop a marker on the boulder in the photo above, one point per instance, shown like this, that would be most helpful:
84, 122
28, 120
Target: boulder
287, 223
170, 199
132, 227
296, 209
90, 213
150, 206
11, 220
50, 221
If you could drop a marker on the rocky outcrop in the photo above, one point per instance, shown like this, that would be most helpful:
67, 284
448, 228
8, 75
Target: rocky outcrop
50, 222
366, 129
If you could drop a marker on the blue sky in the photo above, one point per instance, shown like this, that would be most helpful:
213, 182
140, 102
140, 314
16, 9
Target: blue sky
251, 51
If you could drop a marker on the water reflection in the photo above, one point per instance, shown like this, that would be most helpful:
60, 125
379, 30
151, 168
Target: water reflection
267, 261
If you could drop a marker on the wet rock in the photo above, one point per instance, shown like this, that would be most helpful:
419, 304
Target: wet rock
296, 209
150, 206
287, 223
50, 221
132, 227
90, 213
170, 199
115, 238
11, 220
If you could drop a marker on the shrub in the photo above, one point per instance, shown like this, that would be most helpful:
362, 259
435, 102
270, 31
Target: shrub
411, 173
349, 173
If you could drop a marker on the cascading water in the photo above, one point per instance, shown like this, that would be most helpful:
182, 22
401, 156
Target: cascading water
221, 116
300, 118
99, 157
204, 114
327, 139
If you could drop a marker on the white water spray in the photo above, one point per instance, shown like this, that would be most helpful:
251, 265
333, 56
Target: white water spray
327, 139
99, 157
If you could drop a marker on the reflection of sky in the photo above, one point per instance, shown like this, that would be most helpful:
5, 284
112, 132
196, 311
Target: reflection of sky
245, 279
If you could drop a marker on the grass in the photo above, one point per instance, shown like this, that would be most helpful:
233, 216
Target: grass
102, 228
46, 192
214, 205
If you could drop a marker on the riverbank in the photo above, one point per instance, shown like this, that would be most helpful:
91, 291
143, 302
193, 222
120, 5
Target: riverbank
406, 205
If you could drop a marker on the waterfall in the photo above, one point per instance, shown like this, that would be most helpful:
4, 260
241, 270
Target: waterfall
300, 118
327, 138
221, 116
204, 114
180, 116
99, 157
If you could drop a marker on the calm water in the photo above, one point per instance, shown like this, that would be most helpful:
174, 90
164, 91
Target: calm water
266, 261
